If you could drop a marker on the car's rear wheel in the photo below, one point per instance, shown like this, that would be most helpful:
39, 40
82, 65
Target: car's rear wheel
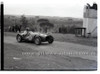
19, 38
37, 40
50, 40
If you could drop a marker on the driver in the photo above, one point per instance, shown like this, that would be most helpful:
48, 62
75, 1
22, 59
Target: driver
26, 32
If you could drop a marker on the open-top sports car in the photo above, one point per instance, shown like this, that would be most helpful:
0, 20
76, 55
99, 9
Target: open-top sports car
35, 37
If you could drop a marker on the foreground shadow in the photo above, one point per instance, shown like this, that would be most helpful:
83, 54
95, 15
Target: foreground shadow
42, 43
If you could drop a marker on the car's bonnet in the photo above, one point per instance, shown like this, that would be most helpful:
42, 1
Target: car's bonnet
38, 33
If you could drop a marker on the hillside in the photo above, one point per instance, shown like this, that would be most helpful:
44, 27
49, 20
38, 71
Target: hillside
12, 19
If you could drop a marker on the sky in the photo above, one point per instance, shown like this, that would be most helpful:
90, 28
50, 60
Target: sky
61, 8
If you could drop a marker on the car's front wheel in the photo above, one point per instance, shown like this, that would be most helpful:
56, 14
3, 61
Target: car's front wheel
19, 38
50, 40
37, 40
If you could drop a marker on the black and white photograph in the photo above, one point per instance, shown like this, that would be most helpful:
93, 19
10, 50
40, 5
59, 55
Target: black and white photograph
50, 35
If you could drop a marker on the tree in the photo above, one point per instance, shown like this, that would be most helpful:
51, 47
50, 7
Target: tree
43, 20
24, 21
45, 24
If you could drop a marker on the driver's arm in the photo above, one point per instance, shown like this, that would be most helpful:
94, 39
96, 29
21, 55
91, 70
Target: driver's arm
25, 32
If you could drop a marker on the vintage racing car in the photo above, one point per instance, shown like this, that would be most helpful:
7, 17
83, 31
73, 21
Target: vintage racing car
35, 37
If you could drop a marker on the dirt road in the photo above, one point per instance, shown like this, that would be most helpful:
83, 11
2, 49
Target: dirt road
59, 55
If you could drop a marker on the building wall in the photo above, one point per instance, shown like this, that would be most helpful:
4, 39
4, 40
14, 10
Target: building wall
90, 21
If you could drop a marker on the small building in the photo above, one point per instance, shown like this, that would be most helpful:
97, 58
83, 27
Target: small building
90, 20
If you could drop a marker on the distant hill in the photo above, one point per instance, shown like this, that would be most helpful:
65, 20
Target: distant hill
10, 20
61, 24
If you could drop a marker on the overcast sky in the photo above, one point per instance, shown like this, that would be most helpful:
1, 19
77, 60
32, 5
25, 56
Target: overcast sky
62, 8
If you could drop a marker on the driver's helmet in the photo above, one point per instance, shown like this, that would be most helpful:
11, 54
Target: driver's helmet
27, 29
